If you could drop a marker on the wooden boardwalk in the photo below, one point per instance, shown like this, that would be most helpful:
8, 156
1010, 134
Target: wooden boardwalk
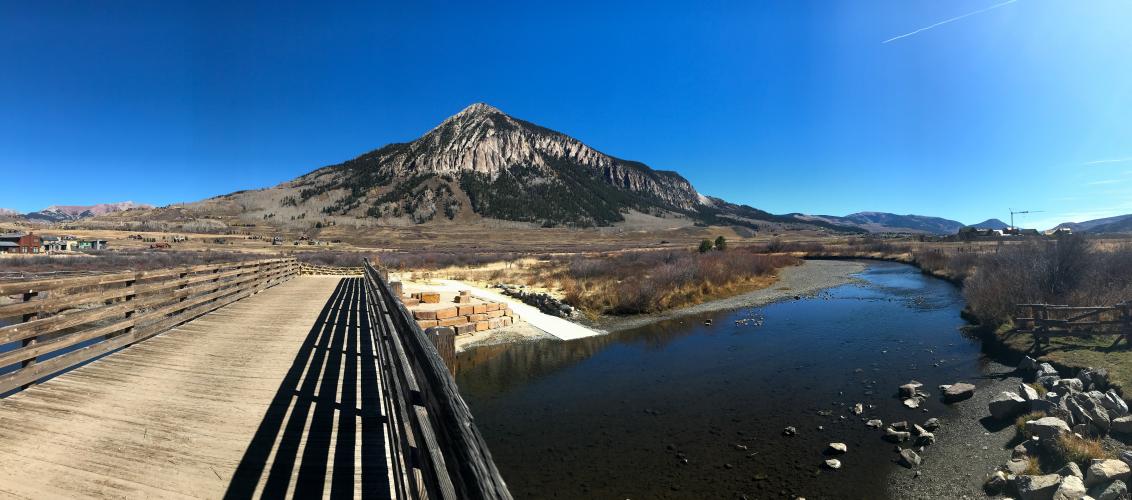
263, 397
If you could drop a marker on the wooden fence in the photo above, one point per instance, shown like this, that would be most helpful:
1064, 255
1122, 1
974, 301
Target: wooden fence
305, 268
64, 322
437, 450
1044, 321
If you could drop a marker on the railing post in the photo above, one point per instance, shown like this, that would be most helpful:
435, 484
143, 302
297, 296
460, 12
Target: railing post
130, 313
444, 339
30, 341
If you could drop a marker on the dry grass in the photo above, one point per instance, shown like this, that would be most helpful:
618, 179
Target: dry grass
1081, 451
649, 282
1020, 422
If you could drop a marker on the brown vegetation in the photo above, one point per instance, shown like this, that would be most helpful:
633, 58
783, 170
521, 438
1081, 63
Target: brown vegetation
648, 282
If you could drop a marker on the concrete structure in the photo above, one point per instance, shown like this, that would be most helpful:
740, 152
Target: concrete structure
92, 245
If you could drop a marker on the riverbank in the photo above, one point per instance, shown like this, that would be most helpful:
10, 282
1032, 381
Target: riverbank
805, 280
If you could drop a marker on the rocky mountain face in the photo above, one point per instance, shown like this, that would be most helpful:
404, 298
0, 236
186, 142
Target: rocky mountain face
65, 213
498, 167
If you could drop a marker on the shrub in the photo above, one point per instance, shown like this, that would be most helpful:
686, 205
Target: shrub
1020, 423
1081, 451
705, 246
721, 243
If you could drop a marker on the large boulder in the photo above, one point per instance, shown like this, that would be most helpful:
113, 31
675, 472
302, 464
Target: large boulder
1122, 425
1116, 490
1087, 409
1114, 404
1038, 487
1071, 488
1028, 364
958, 392
1046, 370
1094, 379
1068, 385
1028, 393
1006, 405
1106, 471
1047, 429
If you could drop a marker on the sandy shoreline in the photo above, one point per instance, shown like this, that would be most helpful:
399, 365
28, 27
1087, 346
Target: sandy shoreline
805, 280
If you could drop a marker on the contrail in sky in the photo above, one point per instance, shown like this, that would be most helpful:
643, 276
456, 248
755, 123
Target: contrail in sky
1114, 160
941, 23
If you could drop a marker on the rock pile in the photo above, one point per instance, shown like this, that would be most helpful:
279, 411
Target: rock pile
1081, 406
544, 302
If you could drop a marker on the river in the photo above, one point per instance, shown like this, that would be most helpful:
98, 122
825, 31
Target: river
616, 416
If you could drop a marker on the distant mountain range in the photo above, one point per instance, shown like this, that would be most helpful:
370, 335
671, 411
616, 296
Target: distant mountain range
1117, 224
882, 222
66, 213
991, 224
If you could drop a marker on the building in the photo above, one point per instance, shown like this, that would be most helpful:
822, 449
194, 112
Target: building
92, 245
20, 243
52, 244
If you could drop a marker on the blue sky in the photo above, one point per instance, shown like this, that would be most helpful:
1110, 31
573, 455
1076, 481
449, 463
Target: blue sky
789, 106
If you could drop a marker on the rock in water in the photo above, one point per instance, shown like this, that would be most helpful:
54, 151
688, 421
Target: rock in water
833, 463
910, 458
858, 409
1038, 487
932, 424
925, 439
908, 390
1007, 405
1105, 471
837, 448
912, 403
876, 424
1047, 428
1071, 488
1116, 490
789, 431
895, 436
958, 392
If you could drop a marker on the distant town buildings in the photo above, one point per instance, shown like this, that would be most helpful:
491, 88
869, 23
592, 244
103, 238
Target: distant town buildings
20, 243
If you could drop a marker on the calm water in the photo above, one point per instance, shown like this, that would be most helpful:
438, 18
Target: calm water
611, 416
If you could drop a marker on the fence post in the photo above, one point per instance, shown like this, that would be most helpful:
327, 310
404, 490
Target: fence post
444, 339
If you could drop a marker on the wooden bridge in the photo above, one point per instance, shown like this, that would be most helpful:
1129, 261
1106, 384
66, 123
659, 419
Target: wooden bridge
233, 380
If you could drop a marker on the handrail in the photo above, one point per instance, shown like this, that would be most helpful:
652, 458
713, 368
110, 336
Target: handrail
65, 322
438, 451
315, 269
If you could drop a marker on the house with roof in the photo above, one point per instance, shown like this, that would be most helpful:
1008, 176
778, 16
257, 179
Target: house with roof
20, 243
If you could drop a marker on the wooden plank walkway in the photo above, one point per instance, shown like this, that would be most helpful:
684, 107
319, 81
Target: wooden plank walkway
276, 395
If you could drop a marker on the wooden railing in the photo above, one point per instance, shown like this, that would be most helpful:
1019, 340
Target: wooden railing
1044, 321
63, 322
437, 450
305, 268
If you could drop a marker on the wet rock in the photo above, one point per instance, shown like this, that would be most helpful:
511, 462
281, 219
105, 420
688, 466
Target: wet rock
917, 430
900, 426
895, 436
958, 392
833, 463
1071, 488
1071, 470
876, 424
789, 431
837, 448
1106, 471
910, 459
1006, 405
1116, 490
913, 403
1047, 428
932, 424
908, 390
1038, 487
858, 409
995, 484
